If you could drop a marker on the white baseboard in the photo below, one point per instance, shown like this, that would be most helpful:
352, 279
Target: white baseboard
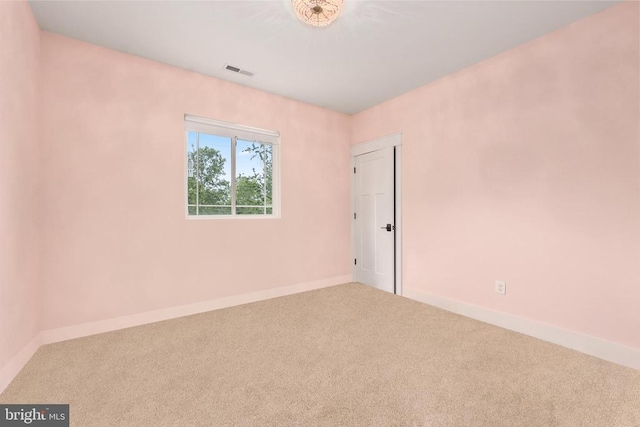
587, 344
11, 369
107, 325
15, 365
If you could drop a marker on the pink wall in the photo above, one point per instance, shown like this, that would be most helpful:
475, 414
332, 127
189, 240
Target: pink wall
19, 198
525, 168
116, 239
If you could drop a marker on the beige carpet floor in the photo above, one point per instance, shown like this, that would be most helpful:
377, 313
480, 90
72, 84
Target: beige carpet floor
348, 355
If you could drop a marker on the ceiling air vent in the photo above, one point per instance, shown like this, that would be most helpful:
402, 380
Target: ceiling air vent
238, 70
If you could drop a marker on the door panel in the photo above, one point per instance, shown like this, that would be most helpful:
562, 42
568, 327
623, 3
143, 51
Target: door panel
368, 246
374, 210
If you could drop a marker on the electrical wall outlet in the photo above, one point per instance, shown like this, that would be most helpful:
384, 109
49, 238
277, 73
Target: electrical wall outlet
501, 287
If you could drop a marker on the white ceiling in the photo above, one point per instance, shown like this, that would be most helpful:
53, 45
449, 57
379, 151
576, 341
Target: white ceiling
375, 51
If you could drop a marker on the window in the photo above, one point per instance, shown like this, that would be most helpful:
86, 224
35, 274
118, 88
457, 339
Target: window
232, 170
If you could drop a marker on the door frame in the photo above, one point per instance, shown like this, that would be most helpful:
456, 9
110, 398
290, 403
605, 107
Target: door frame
393, 140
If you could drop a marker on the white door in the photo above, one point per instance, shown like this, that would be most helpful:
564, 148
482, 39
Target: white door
374, 219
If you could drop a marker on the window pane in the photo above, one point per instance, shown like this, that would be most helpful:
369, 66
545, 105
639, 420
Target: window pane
213, 173
250, 177
215, 210
268, 170
192, 189
250, 210
269, 211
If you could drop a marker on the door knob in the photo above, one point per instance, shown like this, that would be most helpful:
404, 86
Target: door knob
389, 227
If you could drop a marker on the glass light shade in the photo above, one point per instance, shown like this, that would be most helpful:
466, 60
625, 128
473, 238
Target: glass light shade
318, 13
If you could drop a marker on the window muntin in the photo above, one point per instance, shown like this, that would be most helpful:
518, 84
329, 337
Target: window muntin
228, 175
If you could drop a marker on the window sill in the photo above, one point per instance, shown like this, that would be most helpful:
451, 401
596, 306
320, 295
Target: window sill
228, 217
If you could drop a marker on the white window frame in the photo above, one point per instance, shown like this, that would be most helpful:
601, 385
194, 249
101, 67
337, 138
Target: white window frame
235, 132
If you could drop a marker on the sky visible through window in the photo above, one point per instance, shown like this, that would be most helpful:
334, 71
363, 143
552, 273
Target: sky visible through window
244, 163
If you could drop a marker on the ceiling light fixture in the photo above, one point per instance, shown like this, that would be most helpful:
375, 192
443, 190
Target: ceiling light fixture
318, 13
